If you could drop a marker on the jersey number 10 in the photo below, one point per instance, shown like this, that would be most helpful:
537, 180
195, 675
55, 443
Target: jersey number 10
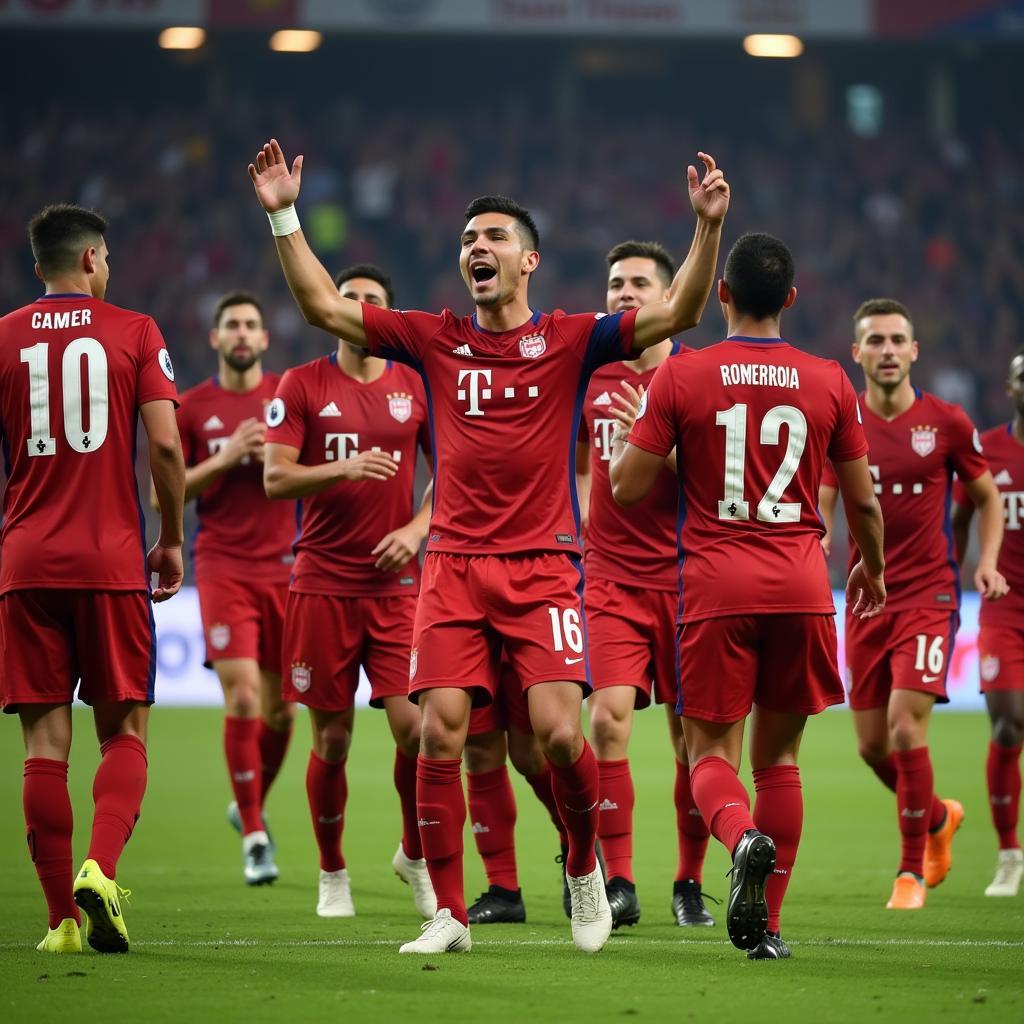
80, 439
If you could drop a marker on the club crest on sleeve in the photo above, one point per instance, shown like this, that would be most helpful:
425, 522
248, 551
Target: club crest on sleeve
413, 660
302, 676
532, 346
976, 441
400, 406
643, 406
220, 636
989, 668
275, 413
922, 440
167, 367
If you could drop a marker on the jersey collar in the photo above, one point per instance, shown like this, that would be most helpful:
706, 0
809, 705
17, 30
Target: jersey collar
535, 319
756, 341
64, 295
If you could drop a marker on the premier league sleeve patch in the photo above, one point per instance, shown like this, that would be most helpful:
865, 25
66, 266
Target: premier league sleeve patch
275, 413
163, 357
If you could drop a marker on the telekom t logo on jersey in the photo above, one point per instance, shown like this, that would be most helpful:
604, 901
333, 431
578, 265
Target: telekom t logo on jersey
338, 447
475, 386
603, 430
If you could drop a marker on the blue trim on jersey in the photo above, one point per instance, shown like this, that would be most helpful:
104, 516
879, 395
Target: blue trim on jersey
151, 677
947, 529
577, 413
138, 504
918, 394
756, 341
534, 319
680, 523
64, 295
298, 532
1009, 428
577, 564
676, 346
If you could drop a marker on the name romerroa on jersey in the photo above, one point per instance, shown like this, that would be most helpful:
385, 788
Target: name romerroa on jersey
753, 422
504, 414
74, 371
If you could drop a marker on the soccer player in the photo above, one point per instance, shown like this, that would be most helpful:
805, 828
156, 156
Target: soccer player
242, 557
751, 421
502, 566
631, 602
896, 663
76, 373
343, 435
1001, 639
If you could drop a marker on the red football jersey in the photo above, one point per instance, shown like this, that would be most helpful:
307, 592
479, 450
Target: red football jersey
328, 415
913, 459
73, 372
633, 546
505, 410
753, 421
241, 533
1005, 457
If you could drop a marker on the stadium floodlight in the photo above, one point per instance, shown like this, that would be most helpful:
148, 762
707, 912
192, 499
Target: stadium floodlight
182, 37
296, 40
773, 45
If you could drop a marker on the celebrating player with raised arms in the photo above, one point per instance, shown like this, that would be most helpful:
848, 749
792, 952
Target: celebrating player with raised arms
502, 568
631, 602
897, 663
76, 374
751, 422
1001, 639
242, 558
344, 430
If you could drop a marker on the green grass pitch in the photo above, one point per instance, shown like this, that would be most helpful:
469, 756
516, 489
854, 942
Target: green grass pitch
206, 948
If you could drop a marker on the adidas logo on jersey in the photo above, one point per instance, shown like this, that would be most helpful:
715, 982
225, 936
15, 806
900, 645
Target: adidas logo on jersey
608, 805
462, 350
603, 399
1003, 477
213, 423
330, 409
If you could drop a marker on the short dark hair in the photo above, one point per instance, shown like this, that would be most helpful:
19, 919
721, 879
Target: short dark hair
502, 204
370, 271
647, 251
58, 233
759, 272
236, 298
882, 307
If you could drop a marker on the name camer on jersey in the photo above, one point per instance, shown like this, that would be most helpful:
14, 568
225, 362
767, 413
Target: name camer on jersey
74, 371
753, 422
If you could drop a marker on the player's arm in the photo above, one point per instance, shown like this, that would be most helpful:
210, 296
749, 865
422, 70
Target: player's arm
985, 497
277, 188
828, 498
584, 478
285, 477
398, 548
167, 465
865, 589
691, 286
963, 513
633, 472
624, 410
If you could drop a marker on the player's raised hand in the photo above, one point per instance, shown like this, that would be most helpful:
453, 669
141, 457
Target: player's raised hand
865, 594
624, 409
165, 562
396, 549
990, 582
245, 443
368, 466
276, 186
709, 195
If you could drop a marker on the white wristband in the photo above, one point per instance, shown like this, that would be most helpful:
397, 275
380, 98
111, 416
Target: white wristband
284, 221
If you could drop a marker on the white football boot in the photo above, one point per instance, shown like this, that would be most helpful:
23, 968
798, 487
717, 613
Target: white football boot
591, 916
1008, 874
335, 899
414, 873
441, 935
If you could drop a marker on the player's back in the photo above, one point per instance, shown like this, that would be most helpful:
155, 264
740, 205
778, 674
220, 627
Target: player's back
73, 372
755, 421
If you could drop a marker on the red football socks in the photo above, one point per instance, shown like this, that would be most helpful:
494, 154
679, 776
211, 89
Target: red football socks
242, 751
722, 800
888, 773
576, 788
541, 786
615, 818
914, 797
492, 810
692, 832
442, 815
1003, 773
779, 813
117, 792
48, 824
327, 789
405, 786
273, 745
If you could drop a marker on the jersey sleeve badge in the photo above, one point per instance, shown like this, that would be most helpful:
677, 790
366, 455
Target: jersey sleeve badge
163, 357
275, 413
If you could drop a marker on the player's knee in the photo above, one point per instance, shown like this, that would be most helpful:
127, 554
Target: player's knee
241, 698
439, 740
279, 717
907, 732
607, 729
527, 758
1008, 731
561, 742
333, 741
873, 751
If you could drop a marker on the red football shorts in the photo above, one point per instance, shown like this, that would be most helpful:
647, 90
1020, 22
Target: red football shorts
906, 650
51, 639
327, 638
473, 606
783, 663
508, 709
1001, 653
631, 638
243, 619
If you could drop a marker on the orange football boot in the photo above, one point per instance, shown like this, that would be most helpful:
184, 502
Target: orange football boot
938, 854
907, 893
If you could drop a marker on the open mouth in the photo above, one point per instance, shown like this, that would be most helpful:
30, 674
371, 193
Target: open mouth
482, 273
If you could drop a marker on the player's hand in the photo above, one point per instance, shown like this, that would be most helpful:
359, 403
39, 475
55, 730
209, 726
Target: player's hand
709, 196
625, 409
165, 562
368, 466
991, 583
826, 544
865, 594
244, 444
276, 186
397, 549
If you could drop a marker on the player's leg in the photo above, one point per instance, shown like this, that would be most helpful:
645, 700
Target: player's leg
1003, 776
277, 716
241, 684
